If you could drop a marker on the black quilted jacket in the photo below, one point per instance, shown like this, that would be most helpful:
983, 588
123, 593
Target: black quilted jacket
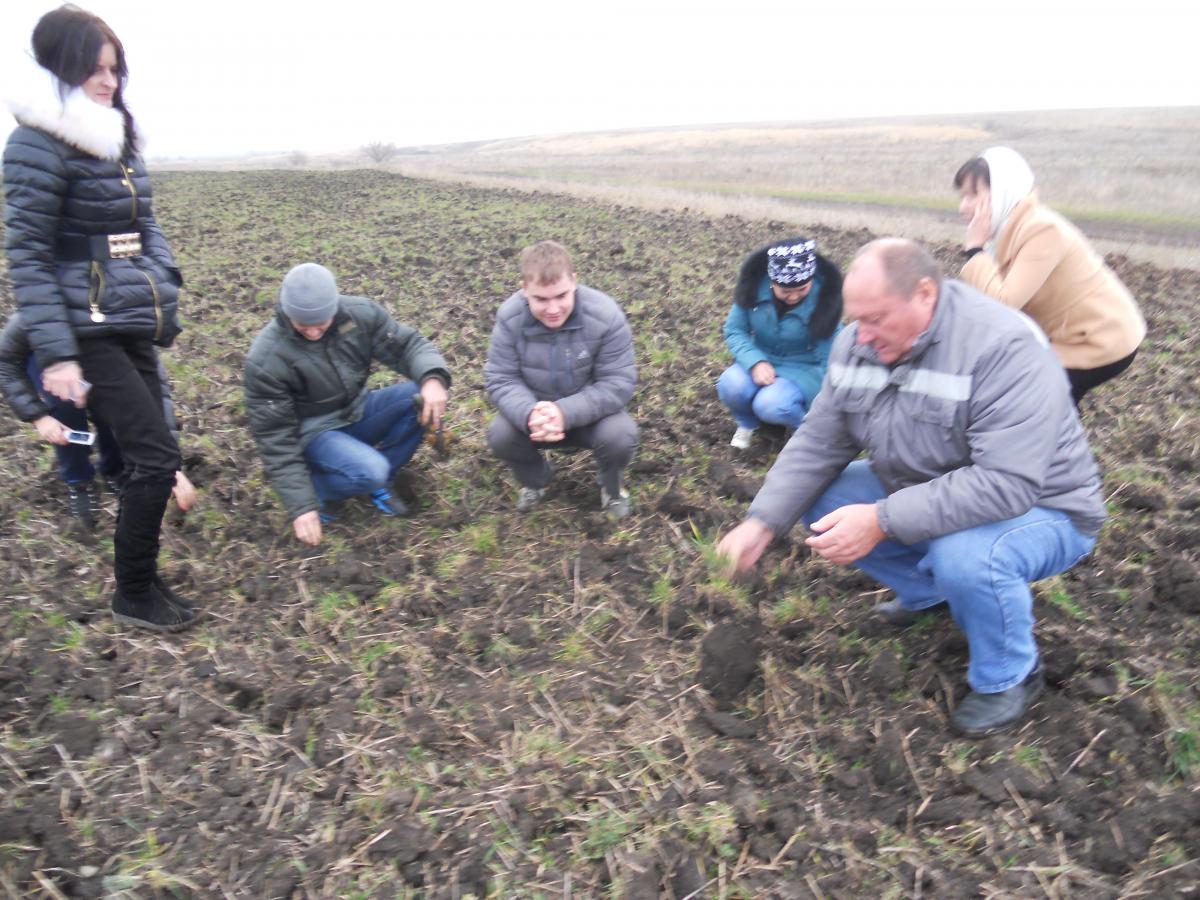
55, 191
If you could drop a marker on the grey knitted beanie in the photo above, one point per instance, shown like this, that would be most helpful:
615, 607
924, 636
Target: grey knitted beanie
309, 294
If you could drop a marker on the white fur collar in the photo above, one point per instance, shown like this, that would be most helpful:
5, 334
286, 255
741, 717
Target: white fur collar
77, 120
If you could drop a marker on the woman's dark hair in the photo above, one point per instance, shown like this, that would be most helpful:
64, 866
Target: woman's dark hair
974, 170
67, 42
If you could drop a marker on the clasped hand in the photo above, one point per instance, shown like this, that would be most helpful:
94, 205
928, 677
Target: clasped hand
546, 423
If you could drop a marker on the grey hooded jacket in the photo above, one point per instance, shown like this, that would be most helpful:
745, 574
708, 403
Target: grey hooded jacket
974, 425
585, 366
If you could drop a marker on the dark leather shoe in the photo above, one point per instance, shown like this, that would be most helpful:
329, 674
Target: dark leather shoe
982, 714
896, 613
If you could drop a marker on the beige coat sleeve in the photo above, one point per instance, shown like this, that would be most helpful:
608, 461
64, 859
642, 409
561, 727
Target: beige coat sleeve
1039, 253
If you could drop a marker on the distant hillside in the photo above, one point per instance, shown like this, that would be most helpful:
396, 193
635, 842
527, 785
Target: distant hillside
1130, 178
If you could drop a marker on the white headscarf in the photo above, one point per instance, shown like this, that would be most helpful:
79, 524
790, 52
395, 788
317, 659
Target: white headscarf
1012, 180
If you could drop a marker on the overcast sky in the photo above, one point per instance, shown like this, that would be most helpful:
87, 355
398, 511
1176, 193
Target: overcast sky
212, 77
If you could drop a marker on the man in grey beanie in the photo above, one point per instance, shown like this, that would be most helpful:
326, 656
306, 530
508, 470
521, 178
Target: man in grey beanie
322, 434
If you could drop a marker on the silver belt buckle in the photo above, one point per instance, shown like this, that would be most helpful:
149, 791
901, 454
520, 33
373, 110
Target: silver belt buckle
123, 246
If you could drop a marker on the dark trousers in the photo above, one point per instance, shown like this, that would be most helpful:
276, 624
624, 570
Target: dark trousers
127, 394
612, 441
1083, 380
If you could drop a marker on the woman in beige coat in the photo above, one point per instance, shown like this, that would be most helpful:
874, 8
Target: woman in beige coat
1029, 257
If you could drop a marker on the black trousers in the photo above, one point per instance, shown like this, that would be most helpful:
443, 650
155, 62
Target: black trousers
126, 393
1083, 380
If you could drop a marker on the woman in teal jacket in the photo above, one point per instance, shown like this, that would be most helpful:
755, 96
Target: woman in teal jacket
787, 307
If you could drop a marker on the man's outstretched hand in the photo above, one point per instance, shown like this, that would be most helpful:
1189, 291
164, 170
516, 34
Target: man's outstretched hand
743, 546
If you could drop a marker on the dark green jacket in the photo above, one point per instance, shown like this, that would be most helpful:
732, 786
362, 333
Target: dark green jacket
297, 388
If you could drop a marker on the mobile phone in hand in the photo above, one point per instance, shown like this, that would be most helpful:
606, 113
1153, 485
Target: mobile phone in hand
81, 437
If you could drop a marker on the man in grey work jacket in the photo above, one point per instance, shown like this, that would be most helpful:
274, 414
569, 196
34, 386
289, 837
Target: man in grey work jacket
560, 370
977, 478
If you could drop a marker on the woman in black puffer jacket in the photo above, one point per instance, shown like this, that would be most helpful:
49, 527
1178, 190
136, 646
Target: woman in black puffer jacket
95, 281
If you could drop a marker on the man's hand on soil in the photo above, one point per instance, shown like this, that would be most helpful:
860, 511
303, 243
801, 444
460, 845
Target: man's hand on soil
308, 527
848, 533
743, 546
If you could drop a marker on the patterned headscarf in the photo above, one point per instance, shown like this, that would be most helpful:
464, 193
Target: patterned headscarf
792, 264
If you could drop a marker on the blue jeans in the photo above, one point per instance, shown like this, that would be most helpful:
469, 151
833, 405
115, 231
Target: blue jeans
363, 457
982, 573
781, 403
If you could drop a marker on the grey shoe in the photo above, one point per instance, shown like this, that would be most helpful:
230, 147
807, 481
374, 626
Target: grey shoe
617, 507
982, 714
528, 498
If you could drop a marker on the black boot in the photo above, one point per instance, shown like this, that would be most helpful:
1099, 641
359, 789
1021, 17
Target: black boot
173, 598
153, 611
81, 504
139, 598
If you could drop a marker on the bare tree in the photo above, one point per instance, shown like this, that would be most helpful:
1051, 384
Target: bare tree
379, 152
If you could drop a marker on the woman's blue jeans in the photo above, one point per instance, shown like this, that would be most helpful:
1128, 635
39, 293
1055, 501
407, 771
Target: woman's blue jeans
982, 573
363, 457
780, 403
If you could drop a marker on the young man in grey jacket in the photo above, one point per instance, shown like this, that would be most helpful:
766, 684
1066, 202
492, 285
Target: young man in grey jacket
560, 370
977, 478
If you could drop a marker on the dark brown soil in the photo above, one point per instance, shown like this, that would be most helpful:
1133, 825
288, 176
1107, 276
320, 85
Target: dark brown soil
476, 703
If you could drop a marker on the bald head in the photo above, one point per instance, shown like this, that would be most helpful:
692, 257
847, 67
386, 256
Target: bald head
904, 264
891, 291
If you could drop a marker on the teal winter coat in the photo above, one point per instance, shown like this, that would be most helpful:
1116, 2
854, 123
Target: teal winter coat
758, 333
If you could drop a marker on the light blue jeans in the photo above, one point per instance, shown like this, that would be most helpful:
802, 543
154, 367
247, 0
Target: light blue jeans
363, 457
781, 403
982, 573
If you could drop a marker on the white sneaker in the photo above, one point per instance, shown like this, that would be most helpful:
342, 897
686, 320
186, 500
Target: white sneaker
615, 507
742, 438
528, 498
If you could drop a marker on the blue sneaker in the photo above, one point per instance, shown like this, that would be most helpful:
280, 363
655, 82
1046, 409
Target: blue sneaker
330, 511
387, 504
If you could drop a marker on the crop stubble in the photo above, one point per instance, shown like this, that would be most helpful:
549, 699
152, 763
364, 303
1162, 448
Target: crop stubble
474, 702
